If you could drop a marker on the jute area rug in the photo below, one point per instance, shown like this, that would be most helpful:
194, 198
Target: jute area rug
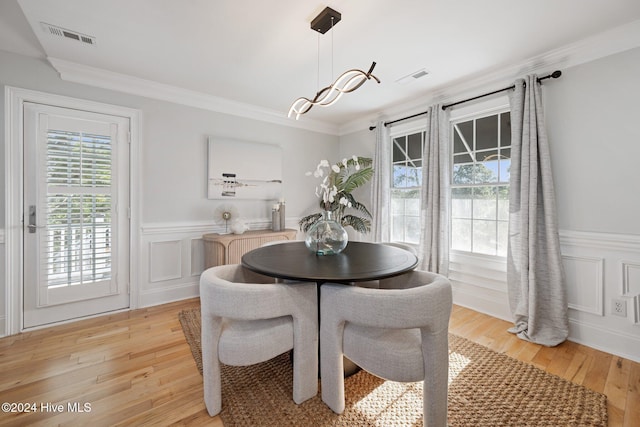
485, 389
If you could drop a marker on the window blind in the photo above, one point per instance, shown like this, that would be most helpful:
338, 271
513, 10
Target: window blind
77, 247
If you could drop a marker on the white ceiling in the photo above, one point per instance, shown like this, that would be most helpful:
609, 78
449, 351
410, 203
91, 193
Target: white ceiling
263, 53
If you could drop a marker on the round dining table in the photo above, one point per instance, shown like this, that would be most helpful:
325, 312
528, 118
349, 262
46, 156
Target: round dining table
359, 261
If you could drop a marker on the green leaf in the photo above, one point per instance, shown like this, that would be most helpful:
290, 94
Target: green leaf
306, 222
361, 225
357, 179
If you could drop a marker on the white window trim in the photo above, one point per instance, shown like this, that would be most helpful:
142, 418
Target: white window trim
14, 155
478, 109
492, 106
404, 129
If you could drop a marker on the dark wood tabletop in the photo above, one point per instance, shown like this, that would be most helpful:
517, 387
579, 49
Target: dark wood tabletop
360, 261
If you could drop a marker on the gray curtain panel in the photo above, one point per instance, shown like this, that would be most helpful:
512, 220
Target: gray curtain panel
435, 194
535, 276
380, 186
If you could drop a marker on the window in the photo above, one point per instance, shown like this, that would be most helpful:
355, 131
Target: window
405, 186
480, 183
78, 207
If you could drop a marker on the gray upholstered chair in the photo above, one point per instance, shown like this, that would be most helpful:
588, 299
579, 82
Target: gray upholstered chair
248, 319
398, 332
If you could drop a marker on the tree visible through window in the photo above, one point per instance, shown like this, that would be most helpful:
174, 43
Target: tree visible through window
480, 184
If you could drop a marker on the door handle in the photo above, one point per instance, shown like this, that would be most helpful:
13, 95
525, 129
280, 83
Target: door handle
32, 219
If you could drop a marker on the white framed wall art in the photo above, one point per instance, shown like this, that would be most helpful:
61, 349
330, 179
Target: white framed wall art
244, 170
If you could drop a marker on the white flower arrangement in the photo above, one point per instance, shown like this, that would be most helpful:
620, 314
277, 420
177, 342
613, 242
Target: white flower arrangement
334, 191
327, 190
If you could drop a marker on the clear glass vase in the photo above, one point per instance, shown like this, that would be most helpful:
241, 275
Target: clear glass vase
327, 236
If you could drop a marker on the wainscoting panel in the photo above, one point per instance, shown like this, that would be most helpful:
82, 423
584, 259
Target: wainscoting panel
3, 289
602, 268
165, 260
585, 283
630, 277
599, 268
197, 257
173, 257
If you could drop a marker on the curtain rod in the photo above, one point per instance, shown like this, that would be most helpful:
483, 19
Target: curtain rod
399, 120
554, 75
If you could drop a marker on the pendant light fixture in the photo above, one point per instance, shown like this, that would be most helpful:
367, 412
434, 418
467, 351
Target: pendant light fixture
347, 82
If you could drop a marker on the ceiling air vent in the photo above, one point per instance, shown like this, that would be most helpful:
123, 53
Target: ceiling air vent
71, 35
412, 77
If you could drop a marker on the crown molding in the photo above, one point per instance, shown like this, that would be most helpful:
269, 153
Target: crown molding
607, 43
83, 74
616, 40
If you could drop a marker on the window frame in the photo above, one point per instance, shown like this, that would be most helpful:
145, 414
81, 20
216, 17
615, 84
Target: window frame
474, 111
397, 131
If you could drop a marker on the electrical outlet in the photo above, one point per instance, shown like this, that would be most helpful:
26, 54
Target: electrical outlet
619, 307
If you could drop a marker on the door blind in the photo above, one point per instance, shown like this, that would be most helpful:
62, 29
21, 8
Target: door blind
77, 246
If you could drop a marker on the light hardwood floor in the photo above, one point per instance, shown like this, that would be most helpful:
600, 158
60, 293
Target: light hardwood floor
136, 368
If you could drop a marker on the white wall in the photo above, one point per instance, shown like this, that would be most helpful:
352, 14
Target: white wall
592, 116
173, 153
592, 119
175, 162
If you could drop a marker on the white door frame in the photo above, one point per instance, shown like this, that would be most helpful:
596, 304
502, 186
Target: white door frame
13, 167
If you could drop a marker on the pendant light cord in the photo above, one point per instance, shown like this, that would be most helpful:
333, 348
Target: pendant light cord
332, 48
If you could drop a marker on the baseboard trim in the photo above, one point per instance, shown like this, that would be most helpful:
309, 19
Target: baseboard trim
482, 302
588, 334
167, 294
607, 340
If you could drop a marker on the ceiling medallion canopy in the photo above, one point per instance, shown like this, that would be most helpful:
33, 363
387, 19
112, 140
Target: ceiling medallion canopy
347, 82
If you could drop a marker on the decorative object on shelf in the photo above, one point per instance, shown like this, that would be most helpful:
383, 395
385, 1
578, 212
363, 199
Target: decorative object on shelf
239, 226
326, 236
348, 81
335, 194
275, 217
224, 214
278, 216
282, 213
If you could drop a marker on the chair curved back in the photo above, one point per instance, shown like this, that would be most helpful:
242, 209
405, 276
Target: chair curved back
401, 245
368, 325
248, 318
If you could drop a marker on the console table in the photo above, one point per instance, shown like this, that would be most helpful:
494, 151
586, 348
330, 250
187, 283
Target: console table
222, 249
